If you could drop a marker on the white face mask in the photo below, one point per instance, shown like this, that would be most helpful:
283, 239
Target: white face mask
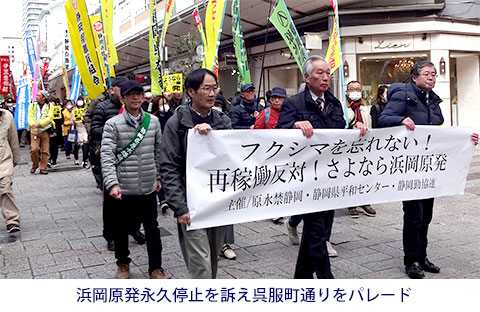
80, 103
69, 106
355, 95
163, 108
217, 108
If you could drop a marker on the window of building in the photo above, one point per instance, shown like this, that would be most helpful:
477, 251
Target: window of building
377, 70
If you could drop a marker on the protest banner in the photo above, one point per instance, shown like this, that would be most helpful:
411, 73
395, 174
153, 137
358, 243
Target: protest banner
75, 88
239, 45
254, 175
214, 16
57, 112
21, 107
198, 22
283, 22
107, 19
65, 79
4, 74
98, 35
154, 51
173, 83
168, 12
83, 46
32, 54
78, 114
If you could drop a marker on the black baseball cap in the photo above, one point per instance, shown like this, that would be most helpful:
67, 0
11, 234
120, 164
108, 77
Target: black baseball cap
129, 86
247, 86
118, 80
280, 92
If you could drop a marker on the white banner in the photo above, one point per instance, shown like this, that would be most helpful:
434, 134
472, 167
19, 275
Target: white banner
236, 176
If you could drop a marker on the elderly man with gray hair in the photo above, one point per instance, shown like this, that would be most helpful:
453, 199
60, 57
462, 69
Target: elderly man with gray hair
314, 108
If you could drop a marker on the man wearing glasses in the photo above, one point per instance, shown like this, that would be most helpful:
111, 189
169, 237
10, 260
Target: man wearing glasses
200, 248
244, 114
410, 104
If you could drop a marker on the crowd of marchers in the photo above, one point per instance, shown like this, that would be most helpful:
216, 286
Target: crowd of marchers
136, 147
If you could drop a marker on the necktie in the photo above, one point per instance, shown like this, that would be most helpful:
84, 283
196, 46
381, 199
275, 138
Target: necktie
320, 103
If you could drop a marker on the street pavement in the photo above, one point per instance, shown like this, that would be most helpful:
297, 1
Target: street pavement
61, 236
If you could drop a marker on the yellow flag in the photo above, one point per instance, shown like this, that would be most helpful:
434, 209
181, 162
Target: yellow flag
168, 12
333, 52
173, 83
83, 46
213, 29
107, 16
65, 79
98, 34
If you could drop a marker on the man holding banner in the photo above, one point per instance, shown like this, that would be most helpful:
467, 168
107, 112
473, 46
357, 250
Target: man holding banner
317, 108
200, 247
410, 104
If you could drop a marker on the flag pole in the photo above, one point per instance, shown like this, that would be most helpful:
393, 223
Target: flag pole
264, 52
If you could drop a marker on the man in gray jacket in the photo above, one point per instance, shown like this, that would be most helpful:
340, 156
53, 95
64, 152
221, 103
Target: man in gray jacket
200, 247
130, 166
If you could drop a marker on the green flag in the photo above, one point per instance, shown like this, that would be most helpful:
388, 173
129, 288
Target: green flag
283, 22
239, 45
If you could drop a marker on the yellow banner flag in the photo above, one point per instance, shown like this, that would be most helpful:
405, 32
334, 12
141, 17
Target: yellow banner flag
107, 16
65, 79
213, 29
168, 12
98, 34
333, 52
83, 46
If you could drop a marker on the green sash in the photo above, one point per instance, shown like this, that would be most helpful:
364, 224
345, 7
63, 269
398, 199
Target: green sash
135, 142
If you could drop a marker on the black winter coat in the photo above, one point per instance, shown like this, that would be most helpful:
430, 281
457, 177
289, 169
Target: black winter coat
408, 100
301, 107
103, 112
173, 155
242, 114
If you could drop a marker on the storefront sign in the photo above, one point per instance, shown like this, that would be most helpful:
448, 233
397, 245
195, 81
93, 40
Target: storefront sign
238, 177
389, 44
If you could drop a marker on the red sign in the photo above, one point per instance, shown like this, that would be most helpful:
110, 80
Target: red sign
4, 74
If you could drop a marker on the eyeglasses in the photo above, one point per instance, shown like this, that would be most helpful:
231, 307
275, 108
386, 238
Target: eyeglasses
426, 75
209, 89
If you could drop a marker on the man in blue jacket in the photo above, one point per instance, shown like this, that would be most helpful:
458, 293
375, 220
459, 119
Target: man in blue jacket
314, 108
244, 114
410, 104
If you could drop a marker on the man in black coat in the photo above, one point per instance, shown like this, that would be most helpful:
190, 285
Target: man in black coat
103, 112
410, 104
314, 108
244, 114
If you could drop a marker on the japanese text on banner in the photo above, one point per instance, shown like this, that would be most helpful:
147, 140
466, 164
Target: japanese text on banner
271, 173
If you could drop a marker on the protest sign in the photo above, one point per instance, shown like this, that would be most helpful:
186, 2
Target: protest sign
260, 174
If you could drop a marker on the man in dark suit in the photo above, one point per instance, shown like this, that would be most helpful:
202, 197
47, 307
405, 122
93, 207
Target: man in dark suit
314, 108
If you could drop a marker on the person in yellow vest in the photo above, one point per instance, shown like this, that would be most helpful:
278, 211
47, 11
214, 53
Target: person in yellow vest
40, 118
68, 124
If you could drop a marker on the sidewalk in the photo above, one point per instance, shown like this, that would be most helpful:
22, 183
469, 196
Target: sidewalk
61, 236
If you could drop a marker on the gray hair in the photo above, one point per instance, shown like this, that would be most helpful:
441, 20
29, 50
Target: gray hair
417, 67
308, 67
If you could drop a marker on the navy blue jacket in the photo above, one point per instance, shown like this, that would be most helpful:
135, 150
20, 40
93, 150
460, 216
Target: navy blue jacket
242, 114
301, 107
408, 100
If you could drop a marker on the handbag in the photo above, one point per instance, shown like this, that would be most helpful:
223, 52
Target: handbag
72, 136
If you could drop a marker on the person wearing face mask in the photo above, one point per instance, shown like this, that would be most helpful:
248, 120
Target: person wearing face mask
358, 111
68, 124
162, 110
378, 108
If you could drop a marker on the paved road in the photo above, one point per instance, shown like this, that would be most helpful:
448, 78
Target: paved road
61, 236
